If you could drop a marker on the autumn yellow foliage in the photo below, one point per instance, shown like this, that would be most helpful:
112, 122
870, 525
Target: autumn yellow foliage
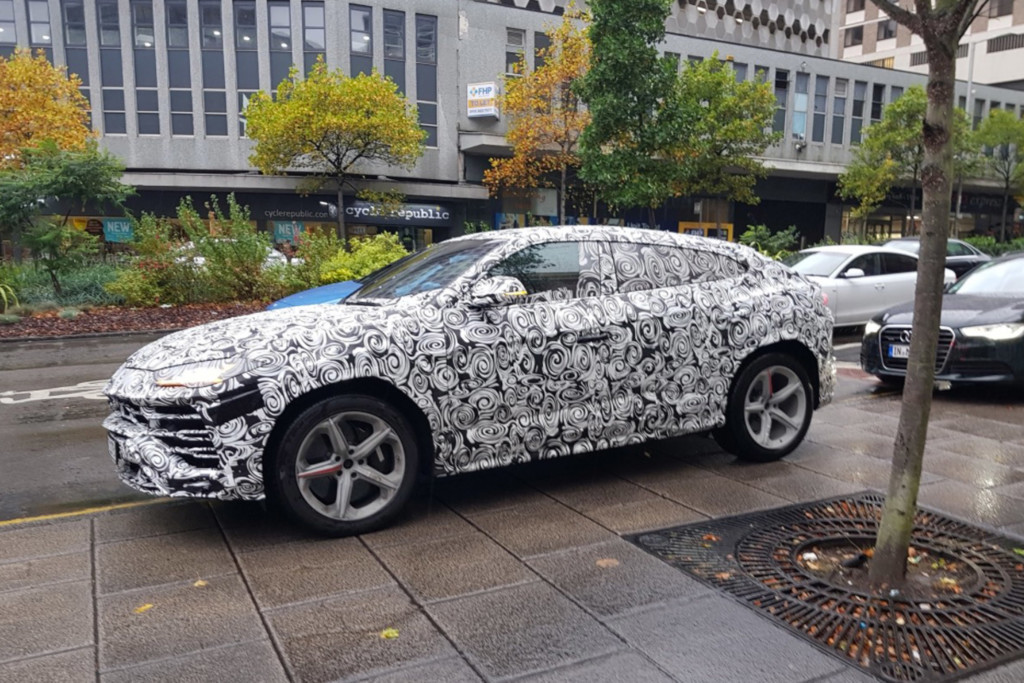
39, 101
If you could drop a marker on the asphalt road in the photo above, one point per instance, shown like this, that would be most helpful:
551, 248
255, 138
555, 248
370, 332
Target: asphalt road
53, 451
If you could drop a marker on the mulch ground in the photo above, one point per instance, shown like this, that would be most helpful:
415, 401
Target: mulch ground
114, 319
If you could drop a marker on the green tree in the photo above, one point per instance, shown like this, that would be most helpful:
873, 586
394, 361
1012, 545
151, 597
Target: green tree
332, 125
656, 134
892, 152
1004, 133
941, 24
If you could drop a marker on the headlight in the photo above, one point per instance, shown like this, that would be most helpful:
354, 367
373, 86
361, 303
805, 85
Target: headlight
1000, 332
871, 328
200, 374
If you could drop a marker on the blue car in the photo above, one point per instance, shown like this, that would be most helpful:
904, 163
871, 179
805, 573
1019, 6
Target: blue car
326, 294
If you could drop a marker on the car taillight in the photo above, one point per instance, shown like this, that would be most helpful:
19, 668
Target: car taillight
824, 296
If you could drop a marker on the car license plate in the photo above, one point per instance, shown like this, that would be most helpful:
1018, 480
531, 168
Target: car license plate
899, 351
113, 448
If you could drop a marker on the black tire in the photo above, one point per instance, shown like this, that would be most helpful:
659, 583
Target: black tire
745, 434
892, 382
307, 444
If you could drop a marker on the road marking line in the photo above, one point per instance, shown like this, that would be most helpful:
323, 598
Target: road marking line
843, 347
83, 511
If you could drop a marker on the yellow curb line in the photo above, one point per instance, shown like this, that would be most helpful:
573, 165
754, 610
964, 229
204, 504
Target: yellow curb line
83, 511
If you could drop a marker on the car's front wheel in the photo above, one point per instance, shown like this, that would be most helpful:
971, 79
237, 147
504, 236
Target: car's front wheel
346, 465
769, 409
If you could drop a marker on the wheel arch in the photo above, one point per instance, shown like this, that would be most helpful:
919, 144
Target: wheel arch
790, 347
371, 386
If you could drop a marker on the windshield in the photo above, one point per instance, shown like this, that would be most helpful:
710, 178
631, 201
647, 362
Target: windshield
995, 278
435, 267
819, 263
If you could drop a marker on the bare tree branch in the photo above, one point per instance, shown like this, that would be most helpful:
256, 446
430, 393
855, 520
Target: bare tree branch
969, 17
902, 16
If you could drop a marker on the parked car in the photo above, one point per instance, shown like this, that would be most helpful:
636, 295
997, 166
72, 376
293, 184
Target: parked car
859, 280
960, 256
478, 352
188, 253
981, 338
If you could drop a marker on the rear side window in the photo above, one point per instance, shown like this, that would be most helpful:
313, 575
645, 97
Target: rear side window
898, 263
549, 272
640, 267
958, 249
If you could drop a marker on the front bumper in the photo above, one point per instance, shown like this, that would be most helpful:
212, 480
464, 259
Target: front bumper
197, 448
959, 359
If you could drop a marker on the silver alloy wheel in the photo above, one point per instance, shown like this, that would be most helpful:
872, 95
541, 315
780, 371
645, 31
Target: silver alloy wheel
350, 466
775, 407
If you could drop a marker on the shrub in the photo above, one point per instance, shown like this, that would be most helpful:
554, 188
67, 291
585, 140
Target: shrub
136, 288
59, 248
7, 297
365, 256
9, 319
314, 249
69, 314
80, 286
775, 245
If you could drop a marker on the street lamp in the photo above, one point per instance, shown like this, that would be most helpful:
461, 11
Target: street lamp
332, 209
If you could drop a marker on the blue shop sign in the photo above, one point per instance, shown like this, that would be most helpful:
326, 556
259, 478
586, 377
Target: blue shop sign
118, 230
287, 231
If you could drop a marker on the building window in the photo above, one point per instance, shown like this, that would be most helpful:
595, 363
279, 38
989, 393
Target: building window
178, 67
1000, 8
214, 95
8, 38
542, 45
360, 39
247, 59
111, 77
919, 58
884, 62
887, 30
820, 104
895, 92
146, 100
314, 34
854, 6
1012, 41
839, 111
979, 108
740, 71
280, 41
761, 74
877, 102
39, 35
515, 48
426, 75
853, 36
781, 97
860, 92
800, 106
75, 52
394, 47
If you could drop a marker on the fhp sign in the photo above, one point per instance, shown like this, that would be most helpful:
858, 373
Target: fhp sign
482, 99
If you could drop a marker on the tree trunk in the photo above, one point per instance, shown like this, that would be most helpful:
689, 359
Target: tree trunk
1006, 199
889, 564
561, 198
57, 289
342, 234
913, 204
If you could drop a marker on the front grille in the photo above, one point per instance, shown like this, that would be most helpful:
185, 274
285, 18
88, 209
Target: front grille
180, 428
979, 368
892, 335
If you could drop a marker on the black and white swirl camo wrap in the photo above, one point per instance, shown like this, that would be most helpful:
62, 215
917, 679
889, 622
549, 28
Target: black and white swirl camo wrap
645, 348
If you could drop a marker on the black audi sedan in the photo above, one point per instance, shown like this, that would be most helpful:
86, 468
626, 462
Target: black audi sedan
981, 338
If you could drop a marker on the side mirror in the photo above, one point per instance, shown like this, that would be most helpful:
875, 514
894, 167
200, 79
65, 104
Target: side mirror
851, 273
499, 290
948, 277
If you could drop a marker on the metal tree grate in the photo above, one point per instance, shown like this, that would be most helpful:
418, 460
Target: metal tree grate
754, 559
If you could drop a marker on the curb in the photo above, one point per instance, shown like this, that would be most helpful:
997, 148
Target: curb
89, 335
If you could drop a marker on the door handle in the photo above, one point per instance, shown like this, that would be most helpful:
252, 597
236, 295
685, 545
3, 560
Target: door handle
589, 337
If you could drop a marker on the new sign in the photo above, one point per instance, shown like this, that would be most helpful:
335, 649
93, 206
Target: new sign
482, 99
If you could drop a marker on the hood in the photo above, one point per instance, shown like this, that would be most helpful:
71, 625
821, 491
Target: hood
963, 310
267, 335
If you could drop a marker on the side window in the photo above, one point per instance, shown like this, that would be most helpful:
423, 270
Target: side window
869, 263
898, 263
549, 272
640, 267
957, 249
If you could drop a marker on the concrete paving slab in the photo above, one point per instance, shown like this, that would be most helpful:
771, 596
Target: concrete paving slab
977, 472
251, 525
864, 470
254, 662
40, 571
483, 492
75, 666
715, 495
655, 513
37, 540
1014, 529
963, 425
594, 490
615, 577
153, 520
622, 666
847, 674
446, 568
182, 619
451, 670
713, 639
541, 527
1015, 490
341, 638
983, 506
425, 518
522, 629
45, 620
1000, 452
157, 560
728, 466
802, 485
856, 439
1008, 673
308, 570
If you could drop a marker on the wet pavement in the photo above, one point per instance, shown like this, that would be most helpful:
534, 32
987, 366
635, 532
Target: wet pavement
518, 574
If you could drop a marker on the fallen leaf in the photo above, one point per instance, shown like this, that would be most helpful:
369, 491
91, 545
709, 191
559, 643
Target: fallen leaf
606, 562
200, 583
143, 608
712, 537
389, 633
1018, 551
723, 576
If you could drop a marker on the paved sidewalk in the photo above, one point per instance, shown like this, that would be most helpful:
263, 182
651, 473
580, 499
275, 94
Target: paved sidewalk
516, 574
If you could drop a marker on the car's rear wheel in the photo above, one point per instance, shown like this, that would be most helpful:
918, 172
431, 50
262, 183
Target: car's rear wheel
769, 409
346, 465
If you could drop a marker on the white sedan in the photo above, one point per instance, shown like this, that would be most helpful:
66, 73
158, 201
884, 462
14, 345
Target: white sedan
859, 280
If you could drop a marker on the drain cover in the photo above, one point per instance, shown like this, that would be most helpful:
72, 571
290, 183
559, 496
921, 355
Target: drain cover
754, 558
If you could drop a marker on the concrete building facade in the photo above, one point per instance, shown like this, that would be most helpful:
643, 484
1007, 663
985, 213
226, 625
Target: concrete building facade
168, 81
